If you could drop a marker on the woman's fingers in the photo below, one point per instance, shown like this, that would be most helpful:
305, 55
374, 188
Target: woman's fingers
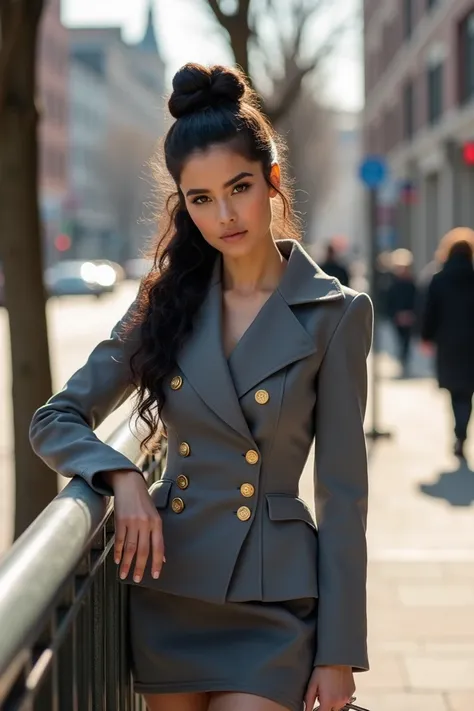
129, 548
132, 540
310, 698
120, 533
157, 548
143, 550
332, 704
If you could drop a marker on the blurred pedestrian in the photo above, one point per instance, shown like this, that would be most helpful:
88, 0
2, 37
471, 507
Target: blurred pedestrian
334, 266
448, 325
401, 302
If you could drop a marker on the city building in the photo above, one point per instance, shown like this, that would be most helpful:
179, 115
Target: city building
419, 113
341, 214
90, 217
129, 122
53, 89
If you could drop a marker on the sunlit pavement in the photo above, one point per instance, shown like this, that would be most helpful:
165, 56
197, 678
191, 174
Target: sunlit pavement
421, 521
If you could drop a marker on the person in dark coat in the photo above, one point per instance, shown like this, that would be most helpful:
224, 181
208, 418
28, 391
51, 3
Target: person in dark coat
448, 324
334, 267
401, 302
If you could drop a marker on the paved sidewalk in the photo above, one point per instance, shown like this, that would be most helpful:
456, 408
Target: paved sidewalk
421, 555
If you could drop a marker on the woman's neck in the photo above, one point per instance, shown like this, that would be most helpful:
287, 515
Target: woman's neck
261, 270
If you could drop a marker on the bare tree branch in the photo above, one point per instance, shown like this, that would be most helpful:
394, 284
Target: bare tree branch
295, 73
285, 63
239, 28
221, 17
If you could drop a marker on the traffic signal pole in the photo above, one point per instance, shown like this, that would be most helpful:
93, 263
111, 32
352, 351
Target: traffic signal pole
374, 433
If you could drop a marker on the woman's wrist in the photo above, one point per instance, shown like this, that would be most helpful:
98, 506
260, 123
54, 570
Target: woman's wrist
114, 478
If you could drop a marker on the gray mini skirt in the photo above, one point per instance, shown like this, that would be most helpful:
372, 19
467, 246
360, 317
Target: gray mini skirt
183, 645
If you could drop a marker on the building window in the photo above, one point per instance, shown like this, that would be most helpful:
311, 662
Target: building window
435, 92
466, 59
408, 109
407, 18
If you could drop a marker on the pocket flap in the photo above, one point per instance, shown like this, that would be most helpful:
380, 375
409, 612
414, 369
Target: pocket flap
288, 508
160, 492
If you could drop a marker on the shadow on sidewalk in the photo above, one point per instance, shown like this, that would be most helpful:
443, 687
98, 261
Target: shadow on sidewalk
457, 486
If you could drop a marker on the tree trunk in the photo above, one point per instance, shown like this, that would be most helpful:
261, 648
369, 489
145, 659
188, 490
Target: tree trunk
239, 40
21, 254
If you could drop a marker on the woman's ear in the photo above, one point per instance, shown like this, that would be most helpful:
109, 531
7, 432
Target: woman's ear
275, 179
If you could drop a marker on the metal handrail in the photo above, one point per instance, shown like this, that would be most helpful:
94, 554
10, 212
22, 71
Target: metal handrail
63, 643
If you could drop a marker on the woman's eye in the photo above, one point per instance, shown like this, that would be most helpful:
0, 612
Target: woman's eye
241, 187
200, 200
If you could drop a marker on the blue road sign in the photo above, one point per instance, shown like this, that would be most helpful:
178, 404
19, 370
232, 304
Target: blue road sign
373, 171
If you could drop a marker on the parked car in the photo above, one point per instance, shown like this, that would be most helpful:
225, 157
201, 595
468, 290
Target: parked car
75, 277
119, 270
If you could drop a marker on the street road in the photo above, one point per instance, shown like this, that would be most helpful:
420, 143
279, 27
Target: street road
75, 325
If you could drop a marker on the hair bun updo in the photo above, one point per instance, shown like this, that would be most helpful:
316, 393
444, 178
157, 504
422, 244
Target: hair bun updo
196, 88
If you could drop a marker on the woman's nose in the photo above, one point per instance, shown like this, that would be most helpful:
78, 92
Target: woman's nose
226, 213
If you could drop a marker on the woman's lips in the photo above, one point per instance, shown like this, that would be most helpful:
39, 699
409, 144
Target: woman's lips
234, 237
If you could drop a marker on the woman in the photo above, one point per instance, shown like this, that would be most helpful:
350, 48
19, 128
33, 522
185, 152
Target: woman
402, 303
448, 325
245, 349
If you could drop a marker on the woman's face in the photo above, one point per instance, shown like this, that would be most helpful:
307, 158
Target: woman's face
228, 199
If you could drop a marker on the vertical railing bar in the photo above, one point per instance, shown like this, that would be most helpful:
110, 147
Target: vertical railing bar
54, 667
96, 629
110, 619
66, 664
75, 699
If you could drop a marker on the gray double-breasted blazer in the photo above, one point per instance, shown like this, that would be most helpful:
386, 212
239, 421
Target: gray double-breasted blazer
239, 433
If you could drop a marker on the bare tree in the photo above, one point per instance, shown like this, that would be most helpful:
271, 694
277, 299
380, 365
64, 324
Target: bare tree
309, 133
271, 35
20, 247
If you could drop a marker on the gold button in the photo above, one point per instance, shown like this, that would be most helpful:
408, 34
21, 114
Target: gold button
176, 382
182, 481
251, 457
177, 505
184, 449
247, 490
244, 513
262, 397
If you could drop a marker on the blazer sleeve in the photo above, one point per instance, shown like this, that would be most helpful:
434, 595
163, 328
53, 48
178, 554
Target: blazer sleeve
62, 430
341, 490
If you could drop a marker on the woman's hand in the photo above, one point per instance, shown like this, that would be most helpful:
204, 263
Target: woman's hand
136, 522
333, 686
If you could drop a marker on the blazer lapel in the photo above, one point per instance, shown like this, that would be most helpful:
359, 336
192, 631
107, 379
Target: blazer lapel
203, 362
276, 338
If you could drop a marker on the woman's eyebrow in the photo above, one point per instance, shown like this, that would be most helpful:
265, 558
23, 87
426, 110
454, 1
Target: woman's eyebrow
199, 191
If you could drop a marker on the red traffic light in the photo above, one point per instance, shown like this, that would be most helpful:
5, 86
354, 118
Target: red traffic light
62, 243
468, 153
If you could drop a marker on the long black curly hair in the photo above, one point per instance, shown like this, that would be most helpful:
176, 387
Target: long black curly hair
211, 106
